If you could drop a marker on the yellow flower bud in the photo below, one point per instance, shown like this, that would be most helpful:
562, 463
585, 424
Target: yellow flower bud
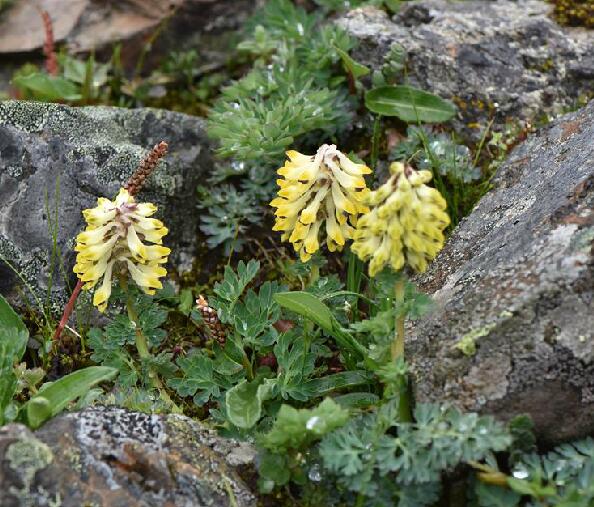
405, 224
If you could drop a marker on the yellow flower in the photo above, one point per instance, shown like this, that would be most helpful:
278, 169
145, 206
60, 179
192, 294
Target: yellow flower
114, 240
325, 188
405, 224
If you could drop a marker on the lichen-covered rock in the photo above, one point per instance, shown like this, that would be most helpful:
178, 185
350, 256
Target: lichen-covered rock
109, 457
504, 60
514, 327
56, 160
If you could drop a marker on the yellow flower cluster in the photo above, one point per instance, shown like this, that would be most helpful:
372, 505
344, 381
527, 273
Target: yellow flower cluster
113, 240
405, 224
324, 188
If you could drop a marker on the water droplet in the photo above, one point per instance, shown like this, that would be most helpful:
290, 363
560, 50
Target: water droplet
483, 431
311, 422
520, 473
314, 473
300, 29
235, 105
237, 166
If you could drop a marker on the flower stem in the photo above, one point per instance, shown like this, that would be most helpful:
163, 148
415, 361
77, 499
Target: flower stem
144, 354
249, 371
67, 311
375, 140
397, 349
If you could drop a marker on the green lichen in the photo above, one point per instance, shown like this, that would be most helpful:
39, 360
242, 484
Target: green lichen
467, 344
582, 242
72, 454
26, 457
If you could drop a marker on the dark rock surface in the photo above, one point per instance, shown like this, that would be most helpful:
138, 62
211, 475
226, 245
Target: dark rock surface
503, 60
56, 161
108, 457
514, 328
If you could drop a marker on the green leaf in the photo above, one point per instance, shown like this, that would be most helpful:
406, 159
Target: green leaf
231, 288
355, 68
49, 88
198, 378
13, 340
342, 451
186, 301
274, 467
532, 488
256, 314
409, 104
9, 319
297, 428
307, 305
345, 379
8, 380
357, 400
51, 400
495, 496
244, 402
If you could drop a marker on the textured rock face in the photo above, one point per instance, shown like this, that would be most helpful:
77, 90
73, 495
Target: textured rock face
514, 328
505, 60
56, 161
108, 457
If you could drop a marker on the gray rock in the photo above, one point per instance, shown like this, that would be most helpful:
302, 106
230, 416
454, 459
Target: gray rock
504, 60
109, 457
514, 327
56, 161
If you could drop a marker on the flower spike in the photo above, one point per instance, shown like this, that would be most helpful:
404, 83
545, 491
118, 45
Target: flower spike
405, 224
118, 239
323, 188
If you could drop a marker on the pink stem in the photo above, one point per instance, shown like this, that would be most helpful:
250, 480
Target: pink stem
68, 310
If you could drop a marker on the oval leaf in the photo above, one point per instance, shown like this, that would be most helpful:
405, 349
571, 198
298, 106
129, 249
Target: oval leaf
244, 402
45, 87
409, 104
344, 379
9, 318
307, 305
55, 397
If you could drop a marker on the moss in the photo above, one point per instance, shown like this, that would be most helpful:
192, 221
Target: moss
574, 12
